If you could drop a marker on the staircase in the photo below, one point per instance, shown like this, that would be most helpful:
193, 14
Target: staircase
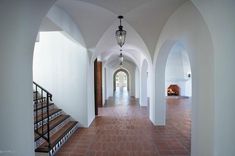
52, 127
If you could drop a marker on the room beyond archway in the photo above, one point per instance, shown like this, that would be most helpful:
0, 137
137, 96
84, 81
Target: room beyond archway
121, 81
178, 75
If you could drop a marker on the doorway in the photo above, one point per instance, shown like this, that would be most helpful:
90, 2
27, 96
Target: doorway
98, 85
121, 84
121, 81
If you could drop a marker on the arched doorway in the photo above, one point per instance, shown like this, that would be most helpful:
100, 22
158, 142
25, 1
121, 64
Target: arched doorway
178, 75
121, 80
178, 92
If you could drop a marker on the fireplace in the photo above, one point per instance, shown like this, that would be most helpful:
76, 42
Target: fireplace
173, 90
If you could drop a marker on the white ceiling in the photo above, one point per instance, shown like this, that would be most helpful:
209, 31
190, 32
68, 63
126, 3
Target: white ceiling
96, 18
48, 25
114, 61
119, 6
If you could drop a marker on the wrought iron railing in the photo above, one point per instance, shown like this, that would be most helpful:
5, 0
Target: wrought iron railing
42, 100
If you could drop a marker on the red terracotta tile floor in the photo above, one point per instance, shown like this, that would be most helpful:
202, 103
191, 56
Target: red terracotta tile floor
123, 129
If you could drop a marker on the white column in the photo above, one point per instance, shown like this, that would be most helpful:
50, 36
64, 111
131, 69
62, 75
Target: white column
18, 29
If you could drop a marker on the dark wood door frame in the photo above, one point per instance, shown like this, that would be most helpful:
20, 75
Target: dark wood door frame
98, 85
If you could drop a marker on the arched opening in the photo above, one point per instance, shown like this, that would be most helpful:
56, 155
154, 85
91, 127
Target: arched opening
173, 90
178, 91
121, 83
59, 67
178, 76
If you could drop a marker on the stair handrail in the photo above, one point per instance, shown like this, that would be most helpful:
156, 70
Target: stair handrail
47, 99
43, 89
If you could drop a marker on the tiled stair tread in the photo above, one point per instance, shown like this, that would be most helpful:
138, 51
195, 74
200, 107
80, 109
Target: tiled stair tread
60, 128
53, 123
44, 115
57, 137
41, 105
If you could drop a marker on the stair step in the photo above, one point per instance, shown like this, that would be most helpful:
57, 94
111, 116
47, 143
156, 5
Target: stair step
53, 123
44, 115
57, 137
61, 126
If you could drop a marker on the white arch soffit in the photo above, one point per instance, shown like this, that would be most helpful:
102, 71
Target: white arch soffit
93, 19
133, 41
64, 21
171, 41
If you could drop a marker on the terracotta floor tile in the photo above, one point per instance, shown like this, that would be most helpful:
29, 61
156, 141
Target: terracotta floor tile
123, 129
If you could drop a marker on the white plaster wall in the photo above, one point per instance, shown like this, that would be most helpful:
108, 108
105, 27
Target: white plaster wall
60, 66
90, 93
66, 23
109, 82
144, 84
131, 70
187, 27
18, 29
151, 89
187, 70
137, 83
103, 83
219, 17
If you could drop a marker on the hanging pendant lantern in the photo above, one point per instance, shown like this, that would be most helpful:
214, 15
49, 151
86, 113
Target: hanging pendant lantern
120, 33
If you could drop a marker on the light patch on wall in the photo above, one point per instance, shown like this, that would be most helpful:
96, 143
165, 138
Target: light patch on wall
60, 66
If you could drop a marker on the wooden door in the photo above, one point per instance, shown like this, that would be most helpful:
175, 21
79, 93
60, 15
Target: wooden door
98, 85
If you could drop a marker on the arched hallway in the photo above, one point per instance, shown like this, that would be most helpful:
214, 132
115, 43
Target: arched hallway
125, 130
209, 42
